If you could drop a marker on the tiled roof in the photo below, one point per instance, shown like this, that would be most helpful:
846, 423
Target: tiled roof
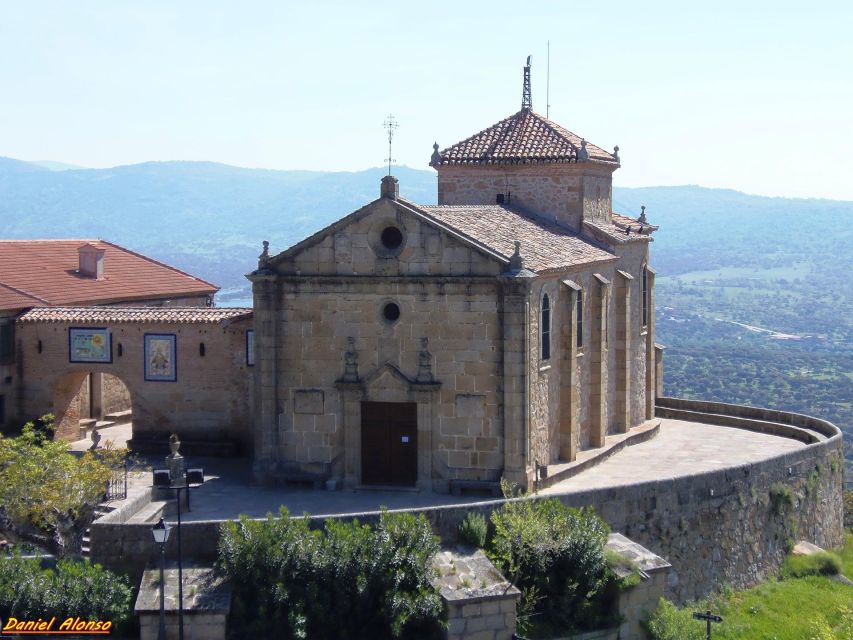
622, 229
102, 315
11, 299
46, 270
525, 137
545, 246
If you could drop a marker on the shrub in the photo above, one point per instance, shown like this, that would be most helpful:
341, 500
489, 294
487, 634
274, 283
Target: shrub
781, 498
346, 581
848, 510
668, 622
43, 486
74, 588
556, 552
817, 564
472, 530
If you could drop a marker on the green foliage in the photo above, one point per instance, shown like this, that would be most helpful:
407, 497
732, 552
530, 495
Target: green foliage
74, 588
848, 510
345, 581
556, 554
781, 498
817, 564
472, 530
668, 622
42, 485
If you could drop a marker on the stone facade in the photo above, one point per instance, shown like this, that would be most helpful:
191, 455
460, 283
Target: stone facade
466, 345
570, 192
209, 401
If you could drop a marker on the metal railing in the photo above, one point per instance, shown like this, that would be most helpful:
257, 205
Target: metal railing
117, 484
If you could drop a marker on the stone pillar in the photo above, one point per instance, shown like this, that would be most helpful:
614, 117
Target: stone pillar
659, 370
598, 360
569, 389
515, 326
96, 393
624, 353
650, 346
266, 407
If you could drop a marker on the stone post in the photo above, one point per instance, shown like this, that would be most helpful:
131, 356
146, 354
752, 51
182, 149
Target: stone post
624, 354
569, 390
265, 373
650, 347
598, 361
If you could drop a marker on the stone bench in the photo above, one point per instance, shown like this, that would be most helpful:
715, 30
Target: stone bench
457, 487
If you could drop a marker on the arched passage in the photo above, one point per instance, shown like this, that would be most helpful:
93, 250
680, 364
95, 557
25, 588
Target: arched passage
87, 401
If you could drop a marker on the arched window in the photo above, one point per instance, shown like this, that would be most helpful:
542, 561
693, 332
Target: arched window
579, 327
546, 327
644, 284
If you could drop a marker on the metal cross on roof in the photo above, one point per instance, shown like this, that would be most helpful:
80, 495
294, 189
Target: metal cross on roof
390, 125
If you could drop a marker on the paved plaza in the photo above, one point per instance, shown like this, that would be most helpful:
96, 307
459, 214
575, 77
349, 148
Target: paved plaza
681, 448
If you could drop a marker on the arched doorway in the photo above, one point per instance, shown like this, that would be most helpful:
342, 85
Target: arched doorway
93, 401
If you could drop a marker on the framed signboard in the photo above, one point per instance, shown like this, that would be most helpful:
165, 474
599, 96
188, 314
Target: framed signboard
250, 348
160, 357
90, 344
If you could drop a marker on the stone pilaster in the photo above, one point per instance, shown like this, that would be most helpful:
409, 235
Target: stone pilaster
516, 413
624, 352
569, 385
650, 346
598, 360
266, 293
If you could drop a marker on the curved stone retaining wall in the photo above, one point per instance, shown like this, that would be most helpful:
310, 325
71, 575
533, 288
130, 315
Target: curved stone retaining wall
714, 528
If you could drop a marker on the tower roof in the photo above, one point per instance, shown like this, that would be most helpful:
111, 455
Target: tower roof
523, 138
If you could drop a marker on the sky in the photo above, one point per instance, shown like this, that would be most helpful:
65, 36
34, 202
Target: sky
753, 96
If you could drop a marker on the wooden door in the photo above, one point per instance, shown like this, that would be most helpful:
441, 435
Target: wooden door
389, 443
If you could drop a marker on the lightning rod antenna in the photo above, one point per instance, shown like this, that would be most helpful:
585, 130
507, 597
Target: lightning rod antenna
391, 126
548, 85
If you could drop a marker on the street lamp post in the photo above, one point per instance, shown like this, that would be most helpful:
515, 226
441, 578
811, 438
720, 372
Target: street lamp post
160, 531
192, 478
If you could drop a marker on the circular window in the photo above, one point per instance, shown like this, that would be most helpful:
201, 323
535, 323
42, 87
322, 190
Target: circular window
391, 312
391, 238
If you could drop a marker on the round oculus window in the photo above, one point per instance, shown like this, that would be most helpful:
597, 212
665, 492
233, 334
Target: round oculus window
391, 312
391, 238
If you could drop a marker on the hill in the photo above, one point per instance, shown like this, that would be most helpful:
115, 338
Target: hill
754, 300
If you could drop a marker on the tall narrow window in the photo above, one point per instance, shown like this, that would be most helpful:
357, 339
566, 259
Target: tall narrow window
7, 342
579, 327
546, 327
644, 279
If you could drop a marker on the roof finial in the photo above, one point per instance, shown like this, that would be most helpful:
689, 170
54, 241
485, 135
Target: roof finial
391, 125
642, 217
436, 156
516, 262
526, 102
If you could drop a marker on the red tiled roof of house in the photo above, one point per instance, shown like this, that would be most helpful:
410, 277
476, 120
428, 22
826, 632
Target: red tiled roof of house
11, 298
622, 229
47, 270
545, 246
525, 137
101, 315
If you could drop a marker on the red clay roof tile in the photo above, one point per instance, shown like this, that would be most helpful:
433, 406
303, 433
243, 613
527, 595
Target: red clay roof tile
46, 270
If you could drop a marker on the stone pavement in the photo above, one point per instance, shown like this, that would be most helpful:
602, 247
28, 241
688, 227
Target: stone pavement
681, 448
117, 435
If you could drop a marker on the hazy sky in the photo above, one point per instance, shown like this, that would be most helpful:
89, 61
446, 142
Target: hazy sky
758, 99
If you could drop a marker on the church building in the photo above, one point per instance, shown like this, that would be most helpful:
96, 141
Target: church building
441, 347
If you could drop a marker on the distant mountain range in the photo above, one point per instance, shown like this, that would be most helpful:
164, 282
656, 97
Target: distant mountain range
210, 218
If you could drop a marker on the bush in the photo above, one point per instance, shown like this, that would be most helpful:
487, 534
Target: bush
44, 487
472, 530
848, 510
556, 553
74, 588
817, 564
668, 622
781, 498
346, 581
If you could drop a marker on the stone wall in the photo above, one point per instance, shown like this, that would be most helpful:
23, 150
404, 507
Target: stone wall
714, 528
210, 401
565, 191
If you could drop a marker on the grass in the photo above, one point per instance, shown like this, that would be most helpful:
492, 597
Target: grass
789, 609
